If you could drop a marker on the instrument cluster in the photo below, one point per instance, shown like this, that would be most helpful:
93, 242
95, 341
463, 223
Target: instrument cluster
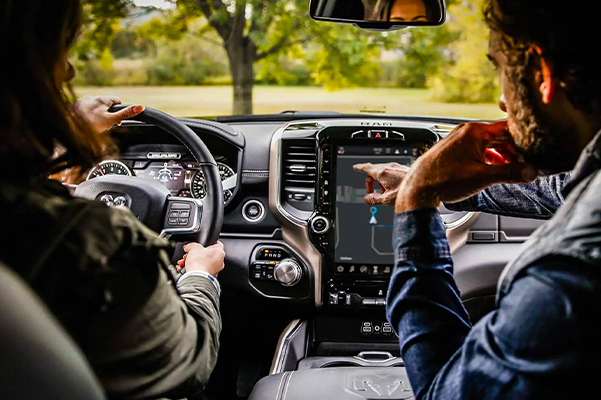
182, 178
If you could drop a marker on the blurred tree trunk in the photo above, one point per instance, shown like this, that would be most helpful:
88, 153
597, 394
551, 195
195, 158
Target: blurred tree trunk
242, 55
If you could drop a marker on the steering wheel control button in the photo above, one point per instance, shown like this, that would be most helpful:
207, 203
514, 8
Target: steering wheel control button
320, 225
181, 206
253, 211
288, 272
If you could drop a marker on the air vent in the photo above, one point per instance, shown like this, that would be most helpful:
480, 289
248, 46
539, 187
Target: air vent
299, 173
442, 130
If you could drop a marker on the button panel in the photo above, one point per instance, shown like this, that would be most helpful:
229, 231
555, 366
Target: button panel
275, 270
263, 270
179, 214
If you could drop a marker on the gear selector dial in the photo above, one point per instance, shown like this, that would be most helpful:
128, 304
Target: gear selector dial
288, 272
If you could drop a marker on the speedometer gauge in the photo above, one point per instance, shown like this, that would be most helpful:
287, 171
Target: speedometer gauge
198, 185
109, 167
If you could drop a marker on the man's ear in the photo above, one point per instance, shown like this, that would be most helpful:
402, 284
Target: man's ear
545, 82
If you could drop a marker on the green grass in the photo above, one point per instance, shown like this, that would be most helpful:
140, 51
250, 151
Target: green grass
217, 100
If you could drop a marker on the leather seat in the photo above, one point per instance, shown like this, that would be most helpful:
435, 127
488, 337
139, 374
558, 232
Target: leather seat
38, 360
340, 383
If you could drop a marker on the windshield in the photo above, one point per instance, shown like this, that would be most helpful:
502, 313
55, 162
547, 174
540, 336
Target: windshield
241, 57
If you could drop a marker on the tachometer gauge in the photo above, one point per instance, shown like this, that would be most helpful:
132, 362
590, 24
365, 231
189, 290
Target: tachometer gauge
109, 167
198, 185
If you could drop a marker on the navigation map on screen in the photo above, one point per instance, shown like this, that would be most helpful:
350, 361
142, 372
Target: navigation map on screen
364, 233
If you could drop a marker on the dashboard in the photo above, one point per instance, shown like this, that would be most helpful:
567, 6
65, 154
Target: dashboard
307, 262
295, 227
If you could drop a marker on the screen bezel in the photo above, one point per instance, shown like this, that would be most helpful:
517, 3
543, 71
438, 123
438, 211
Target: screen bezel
332, 137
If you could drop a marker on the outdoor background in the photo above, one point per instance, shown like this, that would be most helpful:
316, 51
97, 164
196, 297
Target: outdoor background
223, 57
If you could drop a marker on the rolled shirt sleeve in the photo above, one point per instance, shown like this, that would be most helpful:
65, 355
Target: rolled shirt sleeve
508, 354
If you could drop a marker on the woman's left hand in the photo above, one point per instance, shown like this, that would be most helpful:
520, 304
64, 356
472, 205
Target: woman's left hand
95, 111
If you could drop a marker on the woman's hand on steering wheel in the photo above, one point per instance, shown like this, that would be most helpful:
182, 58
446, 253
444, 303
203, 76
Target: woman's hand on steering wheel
209, 259
95, 111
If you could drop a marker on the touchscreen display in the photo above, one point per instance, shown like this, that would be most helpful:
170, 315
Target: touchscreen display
364, 233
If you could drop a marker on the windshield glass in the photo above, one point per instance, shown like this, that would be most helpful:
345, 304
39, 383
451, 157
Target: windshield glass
240, 57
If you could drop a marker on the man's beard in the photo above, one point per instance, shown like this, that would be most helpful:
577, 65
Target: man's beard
546, 146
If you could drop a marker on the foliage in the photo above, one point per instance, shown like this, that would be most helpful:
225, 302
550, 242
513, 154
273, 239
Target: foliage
95, 72
424, 55
186, 62
128, 43
471, 77
130, 72
274, 42
99, 21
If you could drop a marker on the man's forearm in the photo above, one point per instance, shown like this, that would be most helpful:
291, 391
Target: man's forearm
539, 199
424, 306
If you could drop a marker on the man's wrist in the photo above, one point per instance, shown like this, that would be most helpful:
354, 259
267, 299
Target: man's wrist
412, 198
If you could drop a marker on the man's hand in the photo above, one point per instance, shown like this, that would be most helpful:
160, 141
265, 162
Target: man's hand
199, 258
389, 176
459, 167
95, 111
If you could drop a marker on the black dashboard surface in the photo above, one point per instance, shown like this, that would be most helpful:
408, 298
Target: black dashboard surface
245, 144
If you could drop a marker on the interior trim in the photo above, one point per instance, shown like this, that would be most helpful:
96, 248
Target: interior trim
294, 231
282, 346
458, 232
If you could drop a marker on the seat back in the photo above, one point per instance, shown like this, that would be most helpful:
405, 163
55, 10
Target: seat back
38, 359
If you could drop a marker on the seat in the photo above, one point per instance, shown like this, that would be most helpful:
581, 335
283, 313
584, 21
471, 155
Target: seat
340, 383
38, 360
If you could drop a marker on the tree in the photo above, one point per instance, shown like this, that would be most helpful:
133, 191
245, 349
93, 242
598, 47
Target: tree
471, 77
262, 31
424, 53
99, 25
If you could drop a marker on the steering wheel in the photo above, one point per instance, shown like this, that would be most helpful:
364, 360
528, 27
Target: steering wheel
186, 218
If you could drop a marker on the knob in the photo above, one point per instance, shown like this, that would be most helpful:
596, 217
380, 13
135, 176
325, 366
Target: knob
320, 225
288, 272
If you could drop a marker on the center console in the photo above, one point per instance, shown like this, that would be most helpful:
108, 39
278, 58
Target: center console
355, 239
346, 349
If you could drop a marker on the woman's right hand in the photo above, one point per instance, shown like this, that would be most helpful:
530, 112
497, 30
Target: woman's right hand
199, 258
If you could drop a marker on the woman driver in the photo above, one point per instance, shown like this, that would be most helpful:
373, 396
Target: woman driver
103, 273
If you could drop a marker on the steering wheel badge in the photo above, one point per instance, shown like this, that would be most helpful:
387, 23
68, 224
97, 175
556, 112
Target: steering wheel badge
118, 200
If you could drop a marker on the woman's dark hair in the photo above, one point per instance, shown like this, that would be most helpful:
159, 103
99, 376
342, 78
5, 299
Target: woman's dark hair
35, 118
565, 36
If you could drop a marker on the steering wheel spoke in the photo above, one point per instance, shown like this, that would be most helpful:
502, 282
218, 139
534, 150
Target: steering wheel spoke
182, 217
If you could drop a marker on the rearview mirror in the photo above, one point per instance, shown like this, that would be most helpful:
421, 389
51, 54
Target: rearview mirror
380, 14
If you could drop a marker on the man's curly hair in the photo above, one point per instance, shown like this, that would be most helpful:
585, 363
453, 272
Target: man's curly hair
565, 35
